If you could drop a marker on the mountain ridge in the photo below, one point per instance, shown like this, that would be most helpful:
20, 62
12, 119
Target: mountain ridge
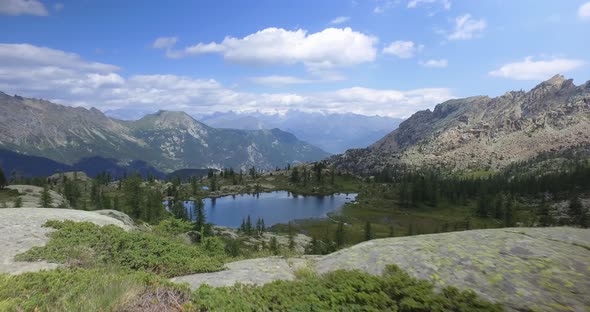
483, 133
166, 140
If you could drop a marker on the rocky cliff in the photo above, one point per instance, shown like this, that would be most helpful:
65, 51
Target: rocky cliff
482, 133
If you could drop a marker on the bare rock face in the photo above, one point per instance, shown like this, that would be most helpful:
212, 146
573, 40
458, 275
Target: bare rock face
484, 133
537, 269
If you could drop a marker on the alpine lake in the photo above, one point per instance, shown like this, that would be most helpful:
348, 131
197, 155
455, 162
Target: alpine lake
274, 207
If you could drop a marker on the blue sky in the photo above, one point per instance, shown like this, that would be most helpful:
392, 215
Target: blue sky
370, 57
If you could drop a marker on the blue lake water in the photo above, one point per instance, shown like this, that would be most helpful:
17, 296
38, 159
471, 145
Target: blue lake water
274, 207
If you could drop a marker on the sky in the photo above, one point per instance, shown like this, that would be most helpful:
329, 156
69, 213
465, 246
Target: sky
373, 57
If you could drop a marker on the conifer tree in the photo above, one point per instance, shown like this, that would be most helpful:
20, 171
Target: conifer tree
291, 237
45, 201
200, 214
248, 226
368, 231
18, 202
3, 181
340, 235
274, 245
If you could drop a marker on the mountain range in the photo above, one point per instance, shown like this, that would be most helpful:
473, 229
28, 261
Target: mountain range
166, 140
332, 132
483, 133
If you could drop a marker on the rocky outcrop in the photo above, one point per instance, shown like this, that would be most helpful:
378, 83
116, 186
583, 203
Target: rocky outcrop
31, 195
543, 269
482, 133
22, 228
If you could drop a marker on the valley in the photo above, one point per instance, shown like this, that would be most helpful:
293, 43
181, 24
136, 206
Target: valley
385, 155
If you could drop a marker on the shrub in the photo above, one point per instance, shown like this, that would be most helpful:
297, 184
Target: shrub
86, 244
341, 291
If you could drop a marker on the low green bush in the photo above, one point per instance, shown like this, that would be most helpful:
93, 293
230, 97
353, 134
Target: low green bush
68, 290
341, 291
87, 245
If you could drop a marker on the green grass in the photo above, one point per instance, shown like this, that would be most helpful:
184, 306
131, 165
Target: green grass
88, 245
70, 290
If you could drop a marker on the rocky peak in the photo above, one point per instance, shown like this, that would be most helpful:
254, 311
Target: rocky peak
171, 120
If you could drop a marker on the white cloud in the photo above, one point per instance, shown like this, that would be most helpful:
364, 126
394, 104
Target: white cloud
329, 48
446, 4
402, 49
584, 11
384, 6
164, 42
442, 63
536, 70
467, 27
66, 78
279, 81
22, 7
340, 20
42, 56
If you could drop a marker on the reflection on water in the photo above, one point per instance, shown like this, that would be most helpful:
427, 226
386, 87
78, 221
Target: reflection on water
274, 207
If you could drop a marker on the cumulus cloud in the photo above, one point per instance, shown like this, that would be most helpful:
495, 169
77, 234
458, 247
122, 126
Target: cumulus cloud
329, 48
446, 4
402, 49
67, 78
536, 70
442, 63
340, 20
164, 42
22, 7
584, 11
467, 27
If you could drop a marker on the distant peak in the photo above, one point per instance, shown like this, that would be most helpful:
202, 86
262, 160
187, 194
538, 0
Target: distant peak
556, 80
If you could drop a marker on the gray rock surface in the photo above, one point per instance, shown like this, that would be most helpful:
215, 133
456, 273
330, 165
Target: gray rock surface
31, 195
547, 269
121, 216
252, 271
21, 229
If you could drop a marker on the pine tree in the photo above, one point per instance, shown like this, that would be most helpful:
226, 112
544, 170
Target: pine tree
243, 226
340, 235
509, 213
262, 224
274, 246
132, 193
258, 227
248, 226
291, 237
391, 231
200, 214
45, 201
178, 210
368, 231
18, 202
294, 175
576, 211
544, 216
3, 181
